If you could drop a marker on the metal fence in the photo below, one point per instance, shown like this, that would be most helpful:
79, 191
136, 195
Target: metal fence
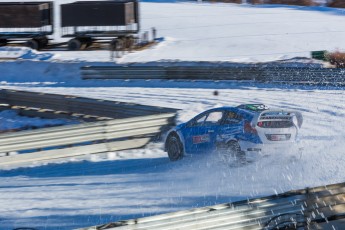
108, 134
78, 105
311, 208
295, 75
81, 139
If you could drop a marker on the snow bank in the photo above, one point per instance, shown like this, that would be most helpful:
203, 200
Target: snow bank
224, 32
143, 182
24, 53
10, 120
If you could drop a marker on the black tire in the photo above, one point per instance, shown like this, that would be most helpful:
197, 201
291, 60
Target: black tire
174, 147
33, 44
87, 41
74, 44
3, 42
232, 153
42, 42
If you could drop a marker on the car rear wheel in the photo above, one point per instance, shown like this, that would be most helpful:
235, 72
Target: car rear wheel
174, 147
232, 153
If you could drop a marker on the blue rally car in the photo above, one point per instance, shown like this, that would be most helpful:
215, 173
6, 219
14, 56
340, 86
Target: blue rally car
235, 131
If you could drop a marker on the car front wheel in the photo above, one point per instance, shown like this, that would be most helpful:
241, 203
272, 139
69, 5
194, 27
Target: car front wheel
174, 147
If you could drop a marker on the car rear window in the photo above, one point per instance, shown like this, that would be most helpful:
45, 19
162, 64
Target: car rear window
275, 124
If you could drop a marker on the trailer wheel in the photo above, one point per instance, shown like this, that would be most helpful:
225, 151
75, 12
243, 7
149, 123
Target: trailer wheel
87, 41
3, 42
43, 42
33, 44
74, 44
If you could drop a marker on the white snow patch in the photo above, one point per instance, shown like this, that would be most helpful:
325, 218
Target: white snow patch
126, 184
24, 53
11, 120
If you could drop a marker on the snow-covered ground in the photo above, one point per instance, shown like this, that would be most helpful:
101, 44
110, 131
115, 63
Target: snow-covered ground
11, 120
143, 182
227, 32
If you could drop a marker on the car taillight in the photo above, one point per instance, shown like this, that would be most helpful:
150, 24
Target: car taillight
275, 124
249, 129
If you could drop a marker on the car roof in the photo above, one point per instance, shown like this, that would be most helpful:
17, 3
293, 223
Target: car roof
246, 108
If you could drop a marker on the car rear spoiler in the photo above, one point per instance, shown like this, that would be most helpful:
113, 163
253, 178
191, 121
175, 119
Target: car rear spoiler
281, 114
299, 118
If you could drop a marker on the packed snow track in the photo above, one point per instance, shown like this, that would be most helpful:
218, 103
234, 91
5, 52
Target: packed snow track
144, 182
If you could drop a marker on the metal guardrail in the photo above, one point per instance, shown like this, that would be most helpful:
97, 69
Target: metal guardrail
311, 208
296, 75
141, 124
81, 139
78, 105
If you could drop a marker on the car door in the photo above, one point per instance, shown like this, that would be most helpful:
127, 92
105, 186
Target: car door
231, 126
200, 134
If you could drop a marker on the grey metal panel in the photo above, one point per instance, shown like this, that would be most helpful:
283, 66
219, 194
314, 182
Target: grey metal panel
71, 104
49, 155
140, 122
290, 75
75, 134
261, 213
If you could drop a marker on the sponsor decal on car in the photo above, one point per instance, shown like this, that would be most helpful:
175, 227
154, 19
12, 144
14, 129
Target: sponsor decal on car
201, 139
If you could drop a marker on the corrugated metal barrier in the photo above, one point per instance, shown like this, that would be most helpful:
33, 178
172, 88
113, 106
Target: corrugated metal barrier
78, 105
292, 75
103, 134
311, 208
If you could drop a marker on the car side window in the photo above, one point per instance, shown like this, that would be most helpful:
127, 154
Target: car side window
231, 118
214, 118
199, 121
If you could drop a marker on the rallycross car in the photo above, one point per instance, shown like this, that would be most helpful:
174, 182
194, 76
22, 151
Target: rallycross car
235, 131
